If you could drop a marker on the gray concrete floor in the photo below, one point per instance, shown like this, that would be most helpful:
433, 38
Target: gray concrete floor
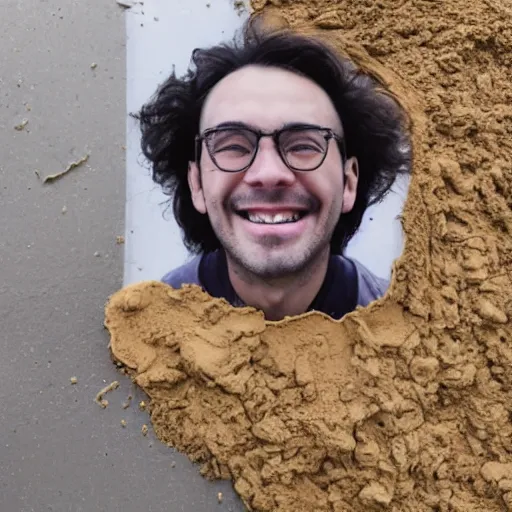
60, 451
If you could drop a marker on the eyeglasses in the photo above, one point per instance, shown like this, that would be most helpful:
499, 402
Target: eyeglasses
302, 147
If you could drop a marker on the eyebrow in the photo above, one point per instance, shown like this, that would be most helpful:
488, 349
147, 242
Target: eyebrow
233, 124
284, 126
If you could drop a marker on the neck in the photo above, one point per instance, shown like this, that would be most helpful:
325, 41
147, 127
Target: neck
277, 298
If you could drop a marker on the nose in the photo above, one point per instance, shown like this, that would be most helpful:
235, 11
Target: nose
268, 169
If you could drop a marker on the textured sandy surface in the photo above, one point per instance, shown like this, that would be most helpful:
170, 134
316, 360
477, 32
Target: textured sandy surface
405, 405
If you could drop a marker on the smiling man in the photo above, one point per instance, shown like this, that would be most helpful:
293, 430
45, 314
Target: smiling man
272, 149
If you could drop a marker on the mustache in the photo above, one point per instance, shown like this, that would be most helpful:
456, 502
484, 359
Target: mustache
274, 197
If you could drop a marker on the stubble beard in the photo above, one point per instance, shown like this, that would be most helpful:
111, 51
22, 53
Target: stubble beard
276, 265
283, 265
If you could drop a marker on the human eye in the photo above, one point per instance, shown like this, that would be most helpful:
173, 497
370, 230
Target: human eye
304, 147
233, 148
231, 142
303, 142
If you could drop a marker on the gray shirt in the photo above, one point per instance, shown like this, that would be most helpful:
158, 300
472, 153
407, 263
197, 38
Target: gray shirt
348, 283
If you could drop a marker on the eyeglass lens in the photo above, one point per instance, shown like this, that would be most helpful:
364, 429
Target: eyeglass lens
233, 149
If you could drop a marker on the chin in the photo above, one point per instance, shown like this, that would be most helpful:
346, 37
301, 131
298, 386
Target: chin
274, 266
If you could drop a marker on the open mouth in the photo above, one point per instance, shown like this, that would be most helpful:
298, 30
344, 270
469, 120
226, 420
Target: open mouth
272, 218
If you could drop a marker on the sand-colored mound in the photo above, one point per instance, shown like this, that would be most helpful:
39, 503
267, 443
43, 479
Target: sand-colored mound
405, 405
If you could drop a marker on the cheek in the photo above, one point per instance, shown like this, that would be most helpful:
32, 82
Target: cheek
326, 185
217, 187
334, 181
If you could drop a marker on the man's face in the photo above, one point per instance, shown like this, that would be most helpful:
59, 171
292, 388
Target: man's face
243, 207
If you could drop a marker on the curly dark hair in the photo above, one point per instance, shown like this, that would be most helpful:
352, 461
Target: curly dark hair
374, 124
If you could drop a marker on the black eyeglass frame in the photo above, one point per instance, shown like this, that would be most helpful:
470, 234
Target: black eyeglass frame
328, 135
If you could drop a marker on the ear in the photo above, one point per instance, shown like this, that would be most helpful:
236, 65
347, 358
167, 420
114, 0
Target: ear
196, 188
351, 177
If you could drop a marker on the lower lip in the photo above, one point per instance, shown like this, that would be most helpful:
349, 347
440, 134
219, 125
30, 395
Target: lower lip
286, 230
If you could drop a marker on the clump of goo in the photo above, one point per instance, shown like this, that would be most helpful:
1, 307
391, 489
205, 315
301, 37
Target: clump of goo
405, 405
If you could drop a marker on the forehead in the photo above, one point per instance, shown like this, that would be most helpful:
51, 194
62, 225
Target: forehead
267, 98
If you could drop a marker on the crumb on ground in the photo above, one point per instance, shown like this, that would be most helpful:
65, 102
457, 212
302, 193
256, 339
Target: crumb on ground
99, 397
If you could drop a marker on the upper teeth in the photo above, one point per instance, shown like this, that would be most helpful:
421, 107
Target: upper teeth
273, 219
